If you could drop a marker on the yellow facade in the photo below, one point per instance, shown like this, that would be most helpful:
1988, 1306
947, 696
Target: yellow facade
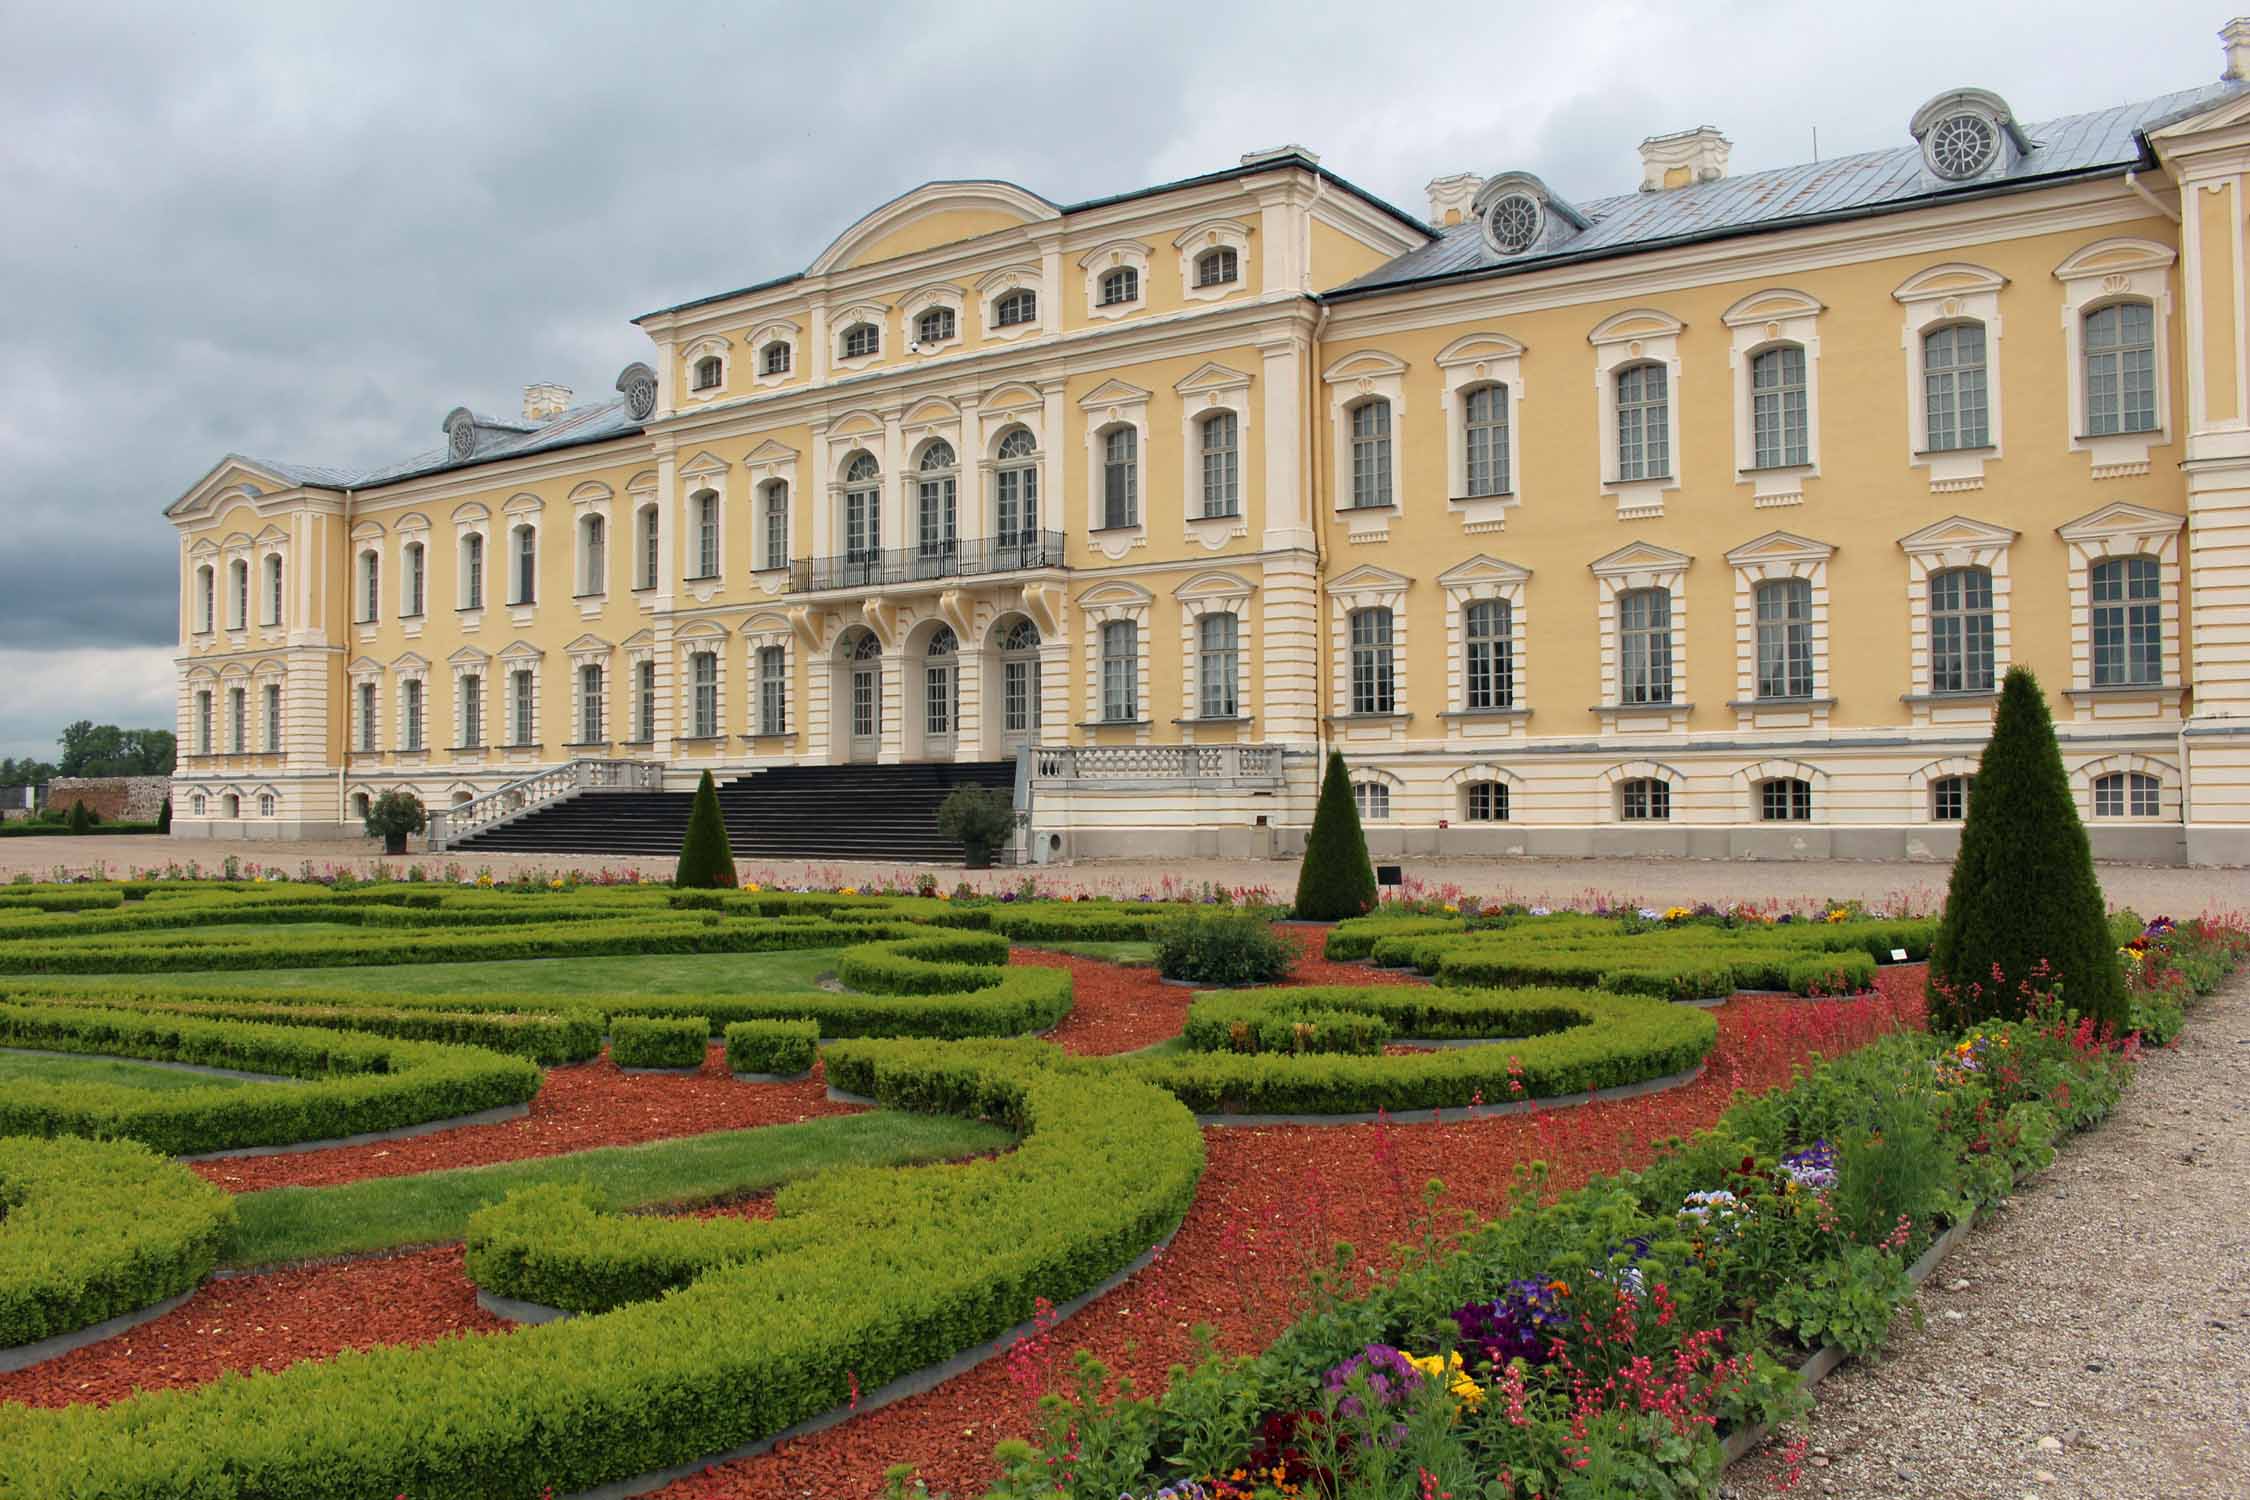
1255, 414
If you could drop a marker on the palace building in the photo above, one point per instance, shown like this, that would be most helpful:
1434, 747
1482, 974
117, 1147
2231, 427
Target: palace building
1701, 518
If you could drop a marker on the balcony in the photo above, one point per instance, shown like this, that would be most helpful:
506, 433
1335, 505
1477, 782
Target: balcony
893, 566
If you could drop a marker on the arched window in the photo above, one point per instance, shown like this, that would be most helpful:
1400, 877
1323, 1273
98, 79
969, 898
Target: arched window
1949, 798
938, 684
1121, 285
1485, 802
1371, 453
273, 588
1953, 387
1217, 267
2128, 626
472, 570
1778, 422
773, 690
1485, 424
1644, 432
935, 507
527, 565
417, 579
863, 521
1121, 477
777, 523
370, 586
523, 708
862, 340
410, 714
1121, 664
230, 806
2126, 794
1644, 799
1644, 646
774, 358
644, 702
1019, 683
203, 722
651, 551
1222, 464
368, 712
472, 711
1015, 309
273, 718
706, 503
935, 326
1015, 498
1784, 608
1372, 797
703, 675
1491, 666
2120, 352
1784, 799
1218, 665
238, 594
591, 705
206, 600
1961, 657
359, 804
593, 550
1374, 670
708, 372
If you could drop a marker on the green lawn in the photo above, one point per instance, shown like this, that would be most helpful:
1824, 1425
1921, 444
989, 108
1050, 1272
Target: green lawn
287, 1224
787, 973
21, 1067
1116, 953
215, 932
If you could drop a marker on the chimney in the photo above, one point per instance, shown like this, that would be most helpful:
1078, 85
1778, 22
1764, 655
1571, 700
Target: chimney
1683, 158
2236, 35
1451, 197
545, 402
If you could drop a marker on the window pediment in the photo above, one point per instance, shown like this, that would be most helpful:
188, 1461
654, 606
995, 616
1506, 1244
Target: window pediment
1213, 586
1640, 557
1771, 305
521, 651
524, 505
1635, 323
2121, 519
468, 656
703, 466
1482, 569
2115, 255
1115, 593
1477, 348
1211, 377
1956, 531
1366, 364
1952, 279
1781, 547
1113, 393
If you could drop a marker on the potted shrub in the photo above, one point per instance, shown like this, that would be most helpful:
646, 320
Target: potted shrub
979, 819
394, 815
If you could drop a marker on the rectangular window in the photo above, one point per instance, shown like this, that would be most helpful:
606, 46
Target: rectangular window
1949, 798
652, 555
1374, 799
273, 718
1961, 639
1218, 665
472, 571
1644, 433
410, 714
777, 526
1121, 484
241, 595
1016, 499
417, 576
1644, 646
936, 518
1120, 671
1645, 800
1222, 468
1371, 454
773, 690
1785, 638
370, 583
273, 591
597, 556
705, 676
527, 565
1785, 799
1374, 674
524, 729
707, 536
1485, 426
2120, 352
644, 701
2128, 627
472, 712
367, 716
203, 723
863, 536
1488, 802
1492, 655
591, 709
238, 712
1777, 408
1953, 379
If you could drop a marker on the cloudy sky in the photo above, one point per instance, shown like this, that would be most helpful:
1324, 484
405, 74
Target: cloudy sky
303, 232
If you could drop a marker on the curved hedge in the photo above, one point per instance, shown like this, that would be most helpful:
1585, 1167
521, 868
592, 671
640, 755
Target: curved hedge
353, 1084
864, 1274
92, 1230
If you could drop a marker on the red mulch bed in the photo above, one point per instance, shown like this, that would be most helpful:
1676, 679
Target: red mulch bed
579, 1107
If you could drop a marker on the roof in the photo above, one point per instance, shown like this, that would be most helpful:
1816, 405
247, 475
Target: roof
498, 438
2103, 142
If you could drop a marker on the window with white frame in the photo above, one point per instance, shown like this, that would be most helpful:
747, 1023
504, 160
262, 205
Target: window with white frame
370, 586
273, 718
1373, 799
1121, 478
1485, 430
1218, 267
1121, 668
863, 517
1644, 799
592, 705
709, 372
1949, 798
416, 567
644, 701
1490, 668
1485, 802
773, 690
1016, 309
1961, 631
2128, 623
2126, 794
593, 553
1778, 425
238, 594
703, 681
1784, 799
1222, 464
273, 588
2118, 346
705, 507
777, 523
1955, 400
1120, 285
238, 721
650, 567
936, 326
201, 804
1784, 637
471, 695
410, 714
266, 804
862, 340
774, 358
527, 566
1644, 646
1371, 454
206, 600
936, 500
203, 745
523, 693
367, 724
1015, 492
1374, 673
1218, 664
472, 570
1644, 432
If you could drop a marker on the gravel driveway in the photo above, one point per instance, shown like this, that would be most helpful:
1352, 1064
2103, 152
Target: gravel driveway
2090, 1339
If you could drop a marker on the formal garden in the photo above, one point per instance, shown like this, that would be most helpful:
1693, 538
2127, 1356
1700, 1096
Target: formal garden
448, 1187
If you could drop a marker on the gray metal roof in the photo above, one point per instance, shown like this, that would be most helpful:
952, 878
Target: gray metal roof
1873, 182
498, 438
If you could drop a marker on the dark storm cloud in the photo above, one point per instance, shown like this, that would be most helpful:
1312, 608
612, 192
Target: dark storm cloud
303, 232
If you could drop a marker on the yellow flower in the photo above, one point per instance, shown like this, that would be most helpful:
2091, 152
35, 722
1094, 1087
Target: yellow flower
555, 884
1457, 1380
849, 890
1451, 910
752, 886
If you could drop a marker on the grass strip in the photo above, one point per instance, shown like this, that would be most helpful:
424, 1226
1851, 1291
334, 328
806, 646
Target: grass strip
18, 1067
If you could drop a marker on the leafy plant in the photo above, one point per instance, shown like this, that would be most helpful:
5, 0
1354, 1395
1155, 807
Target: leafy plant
1222, 947
978, 818
164, 817
396, 814
1336, 880
706, 858
81, 817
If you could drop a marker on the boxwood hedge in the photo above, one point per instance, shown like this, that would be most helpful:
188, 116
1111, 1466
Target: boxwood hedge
785, 1048
658, 1041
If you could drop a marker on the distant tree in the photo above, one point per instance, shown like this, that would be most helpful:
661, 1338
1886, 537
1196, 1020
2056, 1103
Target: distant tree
706, 858
25, 772
1336, 880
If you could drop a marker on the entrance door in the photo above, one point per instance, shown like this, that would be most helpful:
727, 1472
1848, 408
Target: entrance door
867, 699
940, 695
1019, 686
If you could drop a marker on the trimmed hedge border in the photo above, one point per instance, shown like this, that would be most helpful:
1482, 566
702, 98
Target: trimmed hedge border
71, 1257
772, 1049
355, 1084
670, 1043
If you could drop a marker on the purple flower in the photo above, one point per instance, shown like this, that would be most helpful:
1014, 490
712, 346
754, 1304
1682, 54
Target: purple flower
1518, 1324
1388, 1375
1813, 1169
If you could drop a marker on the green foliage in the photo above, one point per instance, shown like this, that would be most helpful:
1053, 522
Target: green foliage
70, 1258
395, 813
978, 818
706, 858
1832, 974
564, 1036
81, 817
2024, 907
90, 749
783, 1049
1336, 880
164, 816
1222, 946
658, 1041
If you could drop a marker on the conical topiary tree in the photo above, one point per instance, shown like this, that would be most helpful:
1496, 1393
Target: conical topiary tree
2023, 887
706, 858
80, 820
164, 817
1335, 881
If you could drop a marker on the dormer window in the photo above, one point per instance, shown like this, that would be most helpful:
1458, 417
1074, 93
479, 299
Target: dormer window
707, 373
1962, 145
1967, 132
862, 340
934, 326
1218, 267
1514, 223
774, 358
1120, 286
1015, 309
1519, 214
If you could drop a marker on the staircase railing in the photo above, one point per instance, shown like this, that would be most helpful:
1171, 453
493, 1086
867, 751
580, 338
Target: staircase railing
1239, 764
544, 788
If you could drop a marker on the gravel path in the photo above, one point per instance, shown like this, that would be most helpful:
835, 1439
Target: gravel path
2091, 1339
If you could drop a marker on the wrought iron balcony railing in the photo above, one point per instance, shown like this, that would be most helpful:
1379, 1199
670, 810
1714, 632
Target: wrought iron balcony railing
896, 565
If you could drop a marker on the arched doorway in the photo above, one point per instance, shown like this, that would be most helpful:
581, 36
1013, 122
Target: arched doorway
1016, 642
863, 696
941, 694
